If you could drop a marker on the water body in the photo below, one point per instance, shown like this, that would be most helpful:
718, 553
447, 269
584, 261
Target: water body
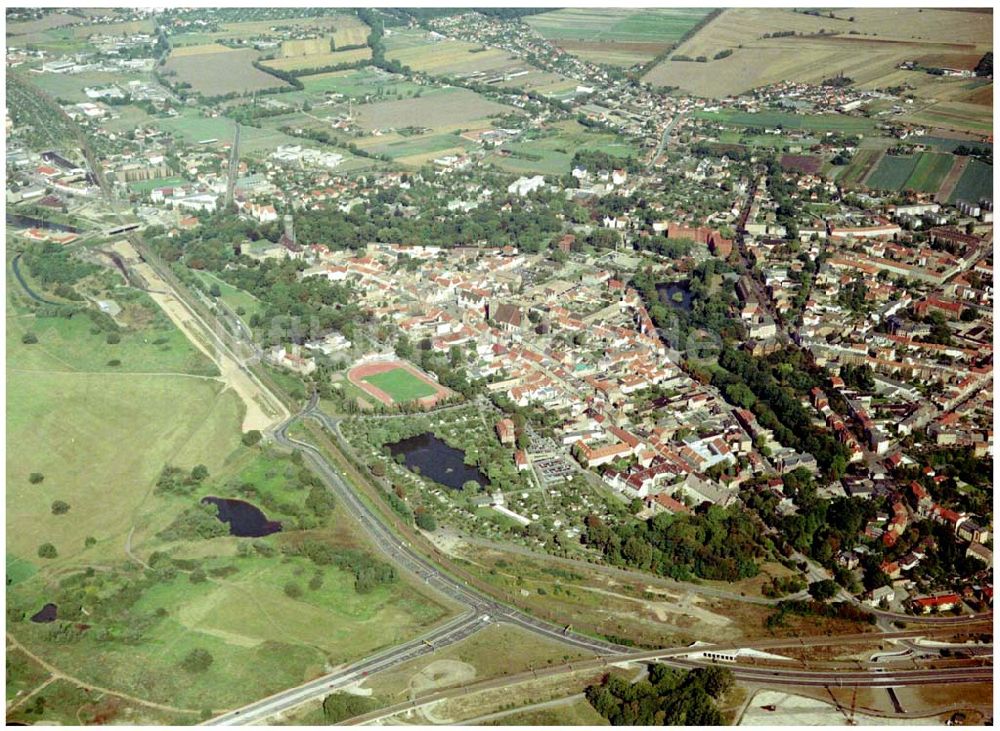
437, 461
245, 520
667, 291
16, 219
48, 613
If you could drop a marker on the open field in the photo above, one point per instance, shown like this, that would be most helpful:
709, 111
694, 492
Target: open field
232, 70
358, 83
575, 711
499, 649
234, 297
318, 60
954, 115
552, 153
444, 110
100, 435
893, 172
861, 165
70, 86
191, 127
790, 120
619, 37
418, 50
975, 184
930, 172
883, 37
396, 381
328, 24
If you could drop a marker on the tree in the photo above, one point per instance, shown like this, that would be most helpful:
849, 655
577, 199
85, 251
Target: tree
823, 590
113, 338
197, 661
29, 338
293, 590
199, 473
426, 521
89, 541
47, 550
198, 576
59, 507
35, 477
252, 438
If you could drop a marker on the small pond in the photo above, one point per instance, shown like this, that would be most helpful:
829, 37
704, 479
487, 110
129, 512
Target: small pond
245, 520
438, 461
675, 294
48, 613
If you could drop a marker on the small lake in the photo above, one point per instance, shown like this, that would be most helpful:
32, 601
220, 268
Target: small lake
245, 520
48, 613
16, 219
437, 461
675, 294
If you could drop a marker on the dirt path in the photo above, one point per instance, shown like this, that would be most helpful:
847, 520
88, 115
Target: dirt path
951, 180
59, 675
261, 411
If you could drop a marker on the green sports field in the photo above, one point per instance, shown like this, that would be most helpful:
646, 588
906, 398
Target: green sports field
401, 385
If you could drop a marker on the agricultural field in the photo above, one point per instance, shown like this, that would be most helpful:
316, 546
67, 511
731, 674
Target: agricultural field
855, 172
233, 71
790, 120
68, 33
422, 53
620, 37
244, 30
318, 60
930, 172
893, 172
869, 55
975, 184
956, 116
438, 109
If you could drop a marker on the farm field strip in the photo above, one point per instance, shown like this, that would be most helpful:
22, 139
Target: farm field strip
930, 172
318, 60
976, 183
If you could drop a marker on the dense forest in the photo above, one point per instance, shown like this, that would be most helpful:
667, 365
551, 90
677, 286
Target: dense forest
667, 697
719, 544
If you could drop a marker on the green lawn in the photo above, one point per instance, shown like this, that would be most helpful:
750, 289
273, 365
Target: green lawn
401, 385
234, 297
145, 186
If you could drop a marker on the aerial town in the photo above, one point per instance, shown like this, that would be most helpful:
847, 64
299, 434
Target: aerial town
347, 346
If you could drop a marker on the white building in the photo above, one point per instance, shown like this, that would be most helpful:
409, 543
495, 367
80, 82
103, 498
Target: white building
523, 186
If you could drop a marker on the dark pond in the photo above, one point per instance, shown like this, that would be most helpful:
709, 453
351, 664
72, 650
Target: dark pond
16, 219
437, 461
245, 520
675, 294
47, 613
